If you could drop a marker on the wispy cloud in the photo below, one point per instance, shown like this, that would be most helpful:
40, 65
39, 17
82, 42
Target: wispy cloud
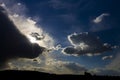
112, 69
59, 4
100, 18
104, 72
71, 5
99, 23
69, 18
115, 63
107, 57
50, 66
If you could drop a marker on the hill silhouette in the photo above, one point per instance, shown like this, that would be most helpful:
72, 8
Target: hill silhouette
41, 75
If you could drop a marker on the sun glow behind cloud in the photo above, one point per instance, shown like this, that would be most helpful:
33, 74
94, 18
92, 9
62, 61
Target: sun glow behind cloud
27, 25
32, 39
52, 60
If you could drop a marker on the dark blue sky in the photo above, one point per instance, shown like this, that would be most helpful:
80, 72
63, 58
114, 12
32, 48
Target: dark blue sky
80, 30
62, 17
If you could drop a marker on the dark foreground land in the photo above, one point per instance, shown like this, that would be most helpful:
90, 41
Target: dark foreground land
28, 75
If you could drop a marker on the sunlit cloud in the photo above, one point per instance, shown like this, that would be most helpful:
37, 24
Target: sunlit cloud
50, 66
26, 25
85, 44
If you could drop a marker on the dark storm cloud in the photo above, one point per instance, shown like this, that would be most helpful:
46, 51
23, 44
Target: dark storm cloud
85, 43
12, 43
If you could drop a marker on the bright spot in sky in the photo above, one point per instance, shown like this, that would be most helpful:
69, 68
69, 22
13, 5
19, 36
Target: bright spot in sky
33, 40
18, 4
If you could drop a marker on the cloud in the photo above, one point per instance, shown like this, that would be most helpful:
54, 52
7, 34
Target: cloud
13, 43
104, 72
99, 23
115, 63
67, 5
71, 5
85, 43
50, 66
15, 32
100, 18
27, 26
14, 7
64, 67
107, 57
111, 69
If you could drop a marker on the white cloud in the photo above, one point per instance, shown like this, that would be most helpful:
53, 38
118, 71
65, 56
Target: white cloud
3, 5
100, 18
107, 57
99, 23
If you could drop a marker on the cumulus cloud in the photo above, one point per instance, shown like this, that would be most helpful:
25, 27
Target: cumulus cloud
100, 18
85, 43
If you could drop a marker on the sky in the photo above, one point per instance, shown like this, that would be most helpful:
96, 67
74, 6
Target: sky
61, 36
